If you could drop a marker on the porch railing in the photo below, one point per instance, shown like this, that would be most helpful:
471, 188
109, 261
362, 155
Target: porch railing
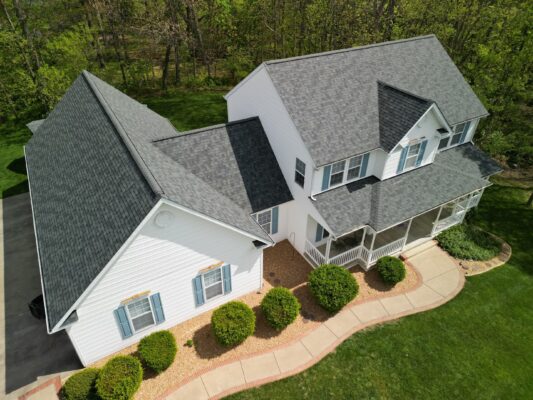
314, 253
346, 257
364, 254
447, 222
386, 250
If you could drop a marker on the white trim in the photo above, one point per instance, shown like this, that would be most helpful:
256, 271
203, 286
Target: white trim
202, 275
345, 179
133, 330
246, 79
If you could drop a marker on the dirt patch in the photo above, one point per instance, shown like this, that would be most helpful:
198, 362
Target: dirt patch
283, 266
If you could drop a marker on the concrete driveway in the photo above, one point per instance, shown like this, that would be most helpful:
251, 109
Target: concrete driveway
26, 350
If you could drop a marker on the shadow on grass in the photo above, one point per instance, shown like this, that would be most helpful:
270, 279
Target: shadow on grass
18, 166
19, 188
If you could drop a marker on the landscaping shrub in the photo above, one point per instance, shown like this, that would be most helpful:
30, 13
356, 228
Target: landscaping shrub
332, 286
232, 323
280, 307
81, 385
391, 269
120, 378
469, 243
158, 350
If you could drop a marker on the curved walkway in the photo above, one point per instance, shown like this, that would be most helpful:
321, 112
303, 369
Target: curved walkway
442, 279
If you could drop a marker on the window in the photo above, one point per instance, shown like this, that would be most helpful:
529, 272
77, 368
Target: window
140, 314
337, 173
444, 143
265, 220
299, 175
412, 155
354, 167
321, 233
458, 131
213, 286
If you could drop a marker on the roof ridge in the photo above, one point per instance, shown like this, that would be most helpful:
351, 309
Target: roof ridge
339, 51
143, 167
380, 82
206, 129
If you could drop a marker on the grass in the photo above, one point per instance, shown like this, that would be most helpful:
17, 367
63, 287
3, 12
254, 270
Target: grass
185, 109
478, 346
469, 243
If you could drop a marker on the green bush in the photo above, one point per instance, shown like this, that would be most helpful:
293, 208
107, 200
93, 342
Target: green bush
232, 323
469, 243
391, 269
280, 307
332, 286
158, 350
120, 378
81, 385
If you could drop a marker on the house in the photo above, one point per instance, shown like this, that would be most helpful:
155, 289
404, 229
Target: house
350, 155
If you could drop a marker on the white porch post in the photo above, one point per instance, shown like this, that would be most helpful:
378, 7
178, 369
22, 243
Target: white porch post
364, 235
436, 220
371, 247
328, 248
407, 233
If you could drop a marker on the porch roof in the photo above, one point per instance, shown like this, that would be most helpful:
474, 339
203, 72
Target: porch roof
382, 204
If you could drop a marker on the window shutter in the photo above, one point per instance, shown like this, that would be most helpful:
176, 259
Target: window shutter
465, 132
158, 308
421, 152
124, 323
325, 177
198, 291
364, 166
275, 217
403, 156
319, 229
226, 273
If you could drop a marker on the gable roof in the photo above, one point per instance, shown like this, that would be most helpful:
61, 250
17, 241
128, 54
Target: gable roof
94, 174
332, 97
235, 159
382, 204
398, 112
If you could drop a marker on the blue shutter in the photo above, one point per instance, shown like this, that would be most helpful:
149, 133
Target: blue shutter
275, 216
420, 156
226, 273
365, 165
403, 157
158, 308
319, 232
198, 290
325, 177
123, 322
465, 131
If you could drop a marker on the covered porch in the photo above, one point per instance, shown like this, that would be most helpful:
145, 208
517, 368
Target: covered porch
364, 246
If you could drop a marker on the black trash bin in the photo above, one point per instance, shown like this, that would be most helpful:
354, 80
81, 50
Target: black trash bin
36, 307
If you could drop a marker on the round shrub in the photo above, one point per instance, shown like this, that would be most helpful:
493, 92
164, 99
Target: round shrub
120, 378
158, 350
280, 307
81, 385
232, 323
391, 269
332, 286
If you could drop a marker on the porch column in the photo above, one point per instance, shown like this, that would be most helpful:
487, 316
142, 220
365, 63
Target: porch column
328, 248
436, 220
364, 235
406, 233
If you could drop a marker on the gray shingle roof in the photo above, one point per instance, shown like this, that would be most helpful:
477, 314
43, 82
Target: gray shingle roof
398, 112
88, 196
94, 174
382, 204
235, 159
333, 98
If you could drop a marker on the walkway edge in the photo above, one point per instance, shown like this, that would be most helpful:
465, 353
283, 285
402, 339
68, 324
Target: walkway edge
177, 391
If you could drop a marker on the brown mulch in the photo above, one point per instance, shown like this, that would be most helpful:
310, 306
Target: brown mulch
283, 266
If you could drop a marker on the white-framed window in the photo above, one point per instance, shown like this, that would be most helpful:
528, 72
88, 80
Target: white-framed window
212, 284
412, 155
337, 173
443, 143
140, 314
299, 174
354, 168
264, 219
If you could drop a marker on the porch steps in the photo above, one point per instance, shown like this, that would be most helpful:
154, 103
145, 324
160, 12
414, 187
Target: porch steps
418, 249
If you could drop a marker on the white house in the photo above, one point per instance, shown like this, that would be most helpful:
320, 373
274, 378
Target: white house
350, 155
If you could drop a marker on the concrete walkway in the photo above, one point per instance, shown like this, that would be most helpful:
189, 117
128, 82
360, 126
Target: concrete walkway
441, 281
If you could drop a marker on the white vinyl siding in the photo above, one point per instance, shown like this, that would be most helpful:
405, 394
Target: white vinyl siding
164, 261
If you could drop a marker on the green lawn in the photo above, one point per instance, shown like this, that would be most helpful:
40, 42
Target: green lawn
478, 346
185, 109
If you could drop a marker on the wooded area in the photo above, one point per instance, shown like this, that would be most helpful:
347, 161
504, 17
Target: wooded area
142, 46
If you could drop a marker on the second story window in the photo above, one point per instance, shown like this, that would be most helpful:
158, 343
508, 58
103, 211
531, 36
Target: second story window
459, 133
337, 173
345, 171
354, 167
412, 156
299, 175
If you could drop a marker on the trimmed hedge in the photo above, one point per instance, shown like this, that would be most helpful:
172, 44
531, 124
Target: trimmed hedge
332, 286
469, 243
81, 385
232, 323
280, 307
391, 270
158, 350
120, 378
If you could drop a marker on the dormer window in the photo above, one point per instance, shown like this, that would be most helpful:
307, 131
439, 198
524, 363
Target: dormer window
458, 136
412, 155
354, 167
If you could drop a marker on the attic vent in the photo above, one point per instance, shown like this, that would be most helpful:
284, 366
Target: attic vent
163, 219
